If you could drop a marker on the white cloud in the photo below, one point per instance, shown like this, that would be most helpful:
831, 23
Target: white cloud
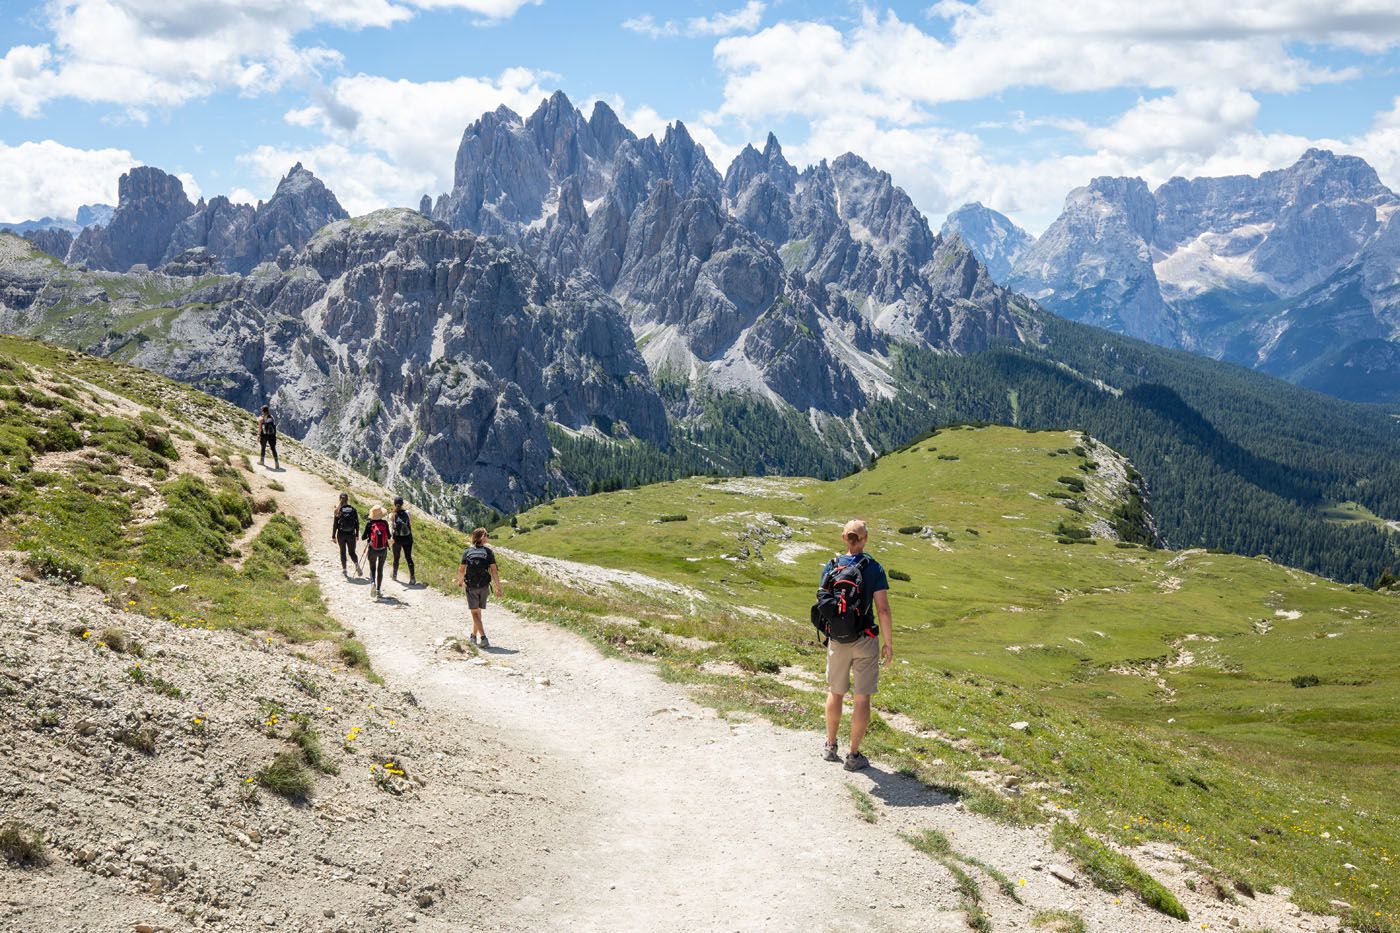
892, 69
140, 54
875, 88
1191, 120
48, 179
1380, 145
362, 181
744, 19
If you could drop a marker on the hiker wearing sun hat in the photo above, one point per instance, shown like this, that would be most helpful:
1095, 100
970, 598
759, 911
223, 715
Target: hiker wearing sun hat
376, 537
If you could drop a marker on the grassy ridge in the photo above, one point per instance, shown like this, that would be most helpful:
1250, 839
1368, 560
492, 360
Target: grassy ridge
132, 503
1159, 686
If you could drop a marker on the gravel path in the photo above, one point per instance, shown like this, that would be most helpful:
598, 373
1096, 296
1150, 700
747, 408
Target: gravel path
678, 818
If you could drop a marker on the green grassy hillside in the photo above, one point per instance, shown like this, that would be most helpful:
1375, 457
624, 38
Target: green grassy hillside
120, 479
1242, 710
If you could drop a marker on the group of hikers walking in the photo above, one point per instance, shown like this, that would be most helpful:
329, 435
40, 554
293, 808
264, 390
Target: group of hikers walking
382, 531
851, 612
391, 530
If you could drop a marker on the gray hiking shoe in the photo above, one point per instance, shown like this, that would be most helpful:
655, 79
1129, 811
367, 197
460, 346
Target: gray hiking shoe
855, 761
473, 638
485, 642
829, 752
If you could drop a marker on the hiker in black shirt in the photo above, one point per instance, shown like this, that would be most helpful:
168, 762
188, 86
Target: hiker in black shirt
477, 572
267, 438
345, 528
402, 528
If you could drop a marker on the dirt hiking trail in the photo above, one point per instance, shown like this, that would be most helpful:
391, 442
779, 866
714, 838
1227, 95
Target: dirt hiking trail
677, 818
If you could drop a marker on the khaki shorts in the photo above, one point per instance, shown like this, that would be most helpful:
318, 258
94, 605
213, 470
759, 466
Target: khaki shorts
476, 596
859, 662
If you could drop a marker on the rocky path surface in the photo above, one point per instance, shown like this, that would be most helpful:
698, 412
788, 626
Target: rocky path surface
677, 818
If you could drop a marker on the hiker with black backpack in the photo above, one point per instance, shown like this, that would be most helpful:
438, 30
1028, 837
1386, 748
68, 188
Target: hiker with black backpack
345, 531
376, 537
402, 528
477, 572
267, 438
854, 589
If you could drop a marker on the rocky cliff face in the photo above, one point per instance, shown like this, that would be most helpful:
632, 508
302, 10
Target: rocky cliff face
239, 236
420, 353
150, 205
992, 237
155, 224
1284, 272
786, 284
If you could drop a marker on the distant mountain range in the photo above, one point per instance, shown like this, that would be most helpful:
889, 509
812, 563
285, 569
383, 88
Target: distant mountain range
587, 308
1295, 273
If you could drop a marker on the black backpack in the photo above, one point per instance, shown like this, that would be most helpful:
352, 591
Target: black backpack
840, 612
402, 529
347, 520
478, 561
269, 429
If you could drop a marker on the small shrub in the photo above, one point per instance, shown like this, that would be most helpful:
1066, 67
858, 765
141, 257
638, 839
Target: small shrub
48, 719
1305, 680
305, 684
141, 740
659, 518
948, 457
1058, 921
120, 642
22, 844
306, 739
1059, 494
898, 575
265, 505
286, 775
865, 806
1113, 871
911, 529
974, 532
276, 486
46, 565
555, 521
1124, 544
201, 448
1073, 482
353, 653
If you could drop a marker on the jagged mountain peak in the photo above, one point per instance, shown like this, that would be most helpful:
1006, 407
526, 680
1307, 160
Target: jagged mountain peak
994, 238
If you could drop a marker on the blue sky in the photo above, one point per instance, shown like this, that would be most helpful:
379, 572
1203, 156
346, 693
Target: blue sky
1011, 102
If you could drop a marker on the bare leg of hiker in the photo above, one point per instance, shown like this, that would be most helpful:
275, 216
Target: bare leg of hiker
860, 720
833, 716
477, 630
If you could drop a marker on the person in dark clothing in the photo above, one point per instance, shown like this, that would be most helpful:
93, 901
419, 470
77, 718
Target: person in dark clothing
477, 572
376, 537
402, 528
267, 438
345, 529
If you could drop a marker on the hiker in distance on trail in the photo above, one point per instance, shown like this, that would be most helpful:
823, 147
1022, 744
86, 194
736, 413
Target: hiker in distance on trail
477, 572
854, 588
345, 529
267, 438
402, 528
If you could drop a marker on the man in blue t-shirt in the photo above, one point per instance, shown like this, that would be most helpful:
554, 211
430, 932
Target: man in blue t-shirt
859, 660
